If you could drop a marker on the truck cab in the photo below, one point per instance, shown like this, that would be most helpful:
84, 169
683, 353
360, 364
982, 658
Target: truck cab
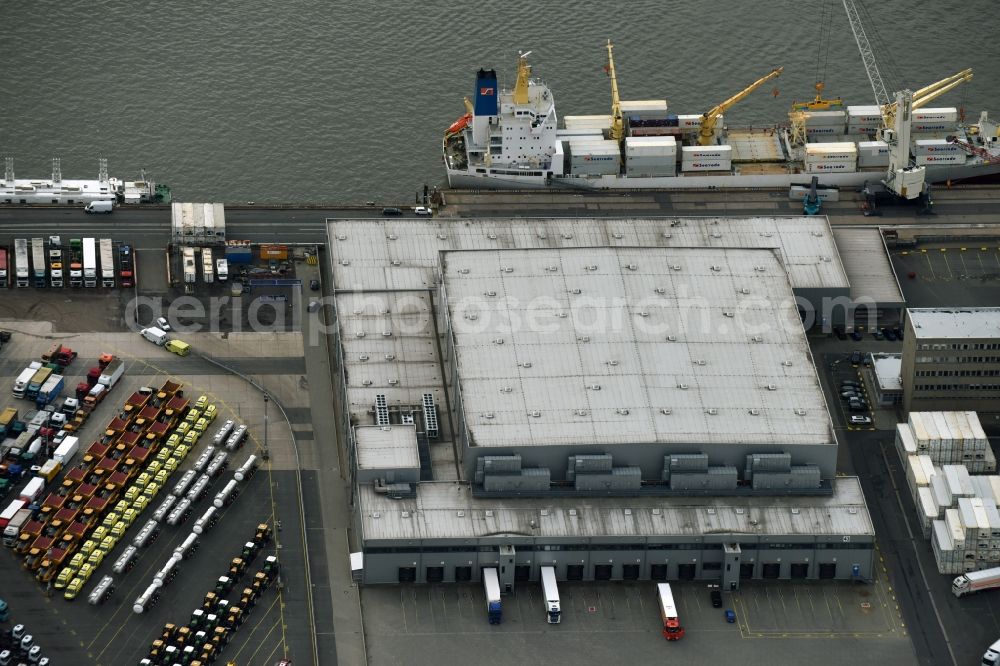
992, 655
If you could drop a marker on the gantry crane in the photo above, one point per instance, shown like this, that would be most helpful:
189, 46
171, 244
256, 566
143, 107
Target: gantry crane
706, 135
617, 122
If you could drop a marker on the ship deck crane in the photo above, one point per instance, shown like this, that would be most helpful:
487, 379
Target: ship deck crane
706, 135
617, 122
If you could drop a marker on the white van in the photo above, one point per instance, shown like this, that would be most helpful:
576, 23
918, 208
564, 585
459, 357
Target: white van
103, 206
155, 335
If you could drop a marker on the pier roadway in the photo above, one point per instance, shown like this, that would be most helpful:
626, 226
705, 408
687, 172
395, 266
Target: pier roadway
149, 227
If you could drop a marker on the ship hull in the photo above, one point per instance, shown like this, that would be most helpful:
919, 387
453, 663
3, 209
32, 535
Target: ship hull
727, 181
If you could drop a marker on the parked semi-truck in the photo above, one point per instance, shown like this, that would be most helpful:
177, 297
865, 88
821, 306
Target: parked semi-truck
126, 266
975, 581
89, 262
55, 261
75, 262
13, 528
190, 273
112, 373
35, 385
550, 594
65, 452
107, 263
49, 391
3, 267
21, 261
60, 355
491, 583
38, 263
23, 379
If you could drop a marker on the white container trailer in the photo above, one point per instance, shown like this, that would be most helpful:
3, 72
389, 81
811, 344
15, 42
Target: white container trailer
65, 452
550, 594
89, 262
107, 263
207, 265
38, 261
975, 581
644, 109
190, 272
491, 585
21, 270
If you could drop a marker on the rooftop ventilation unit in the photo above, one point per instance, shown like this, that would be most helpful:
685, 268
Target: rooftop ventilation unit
381, 410
430, 416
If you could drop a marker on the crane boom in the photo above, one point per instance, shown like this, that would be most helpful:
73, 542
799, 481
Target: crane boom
617, 123
708, 119
928, 94
867, 54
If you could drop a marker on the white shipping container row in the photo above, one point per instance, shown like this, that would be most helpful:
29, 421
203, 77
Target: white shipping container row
839, 150
659, 131
927, 509
693, 121
925, 160
864, 114
646, 109
707, 165
944, 114
650, 146
931, 127
815, 166
601, 122
824, 131
692, 153
825, 119
935, 147
862, 129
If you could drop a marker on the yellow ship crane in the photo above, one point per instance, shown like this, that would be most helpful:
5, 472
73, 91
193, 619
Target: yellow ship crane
928, 94
706, 135
523, 75
617, 123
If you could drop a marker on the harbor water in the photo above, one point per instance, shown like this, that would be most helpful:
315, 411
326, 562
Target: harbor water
314, 101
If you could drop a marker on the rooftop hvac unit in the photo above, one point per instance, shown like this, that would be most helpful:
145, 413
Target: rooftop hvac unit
381, 410
430, 416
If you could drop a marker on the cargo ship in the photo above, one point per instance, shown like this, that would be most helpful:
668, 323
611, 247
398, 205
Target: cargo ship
512, 139
58, 190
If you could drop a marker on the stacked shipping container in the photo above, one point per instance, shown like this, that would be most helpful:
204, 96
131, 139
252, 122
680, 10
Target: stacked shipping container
839, 157
650, 156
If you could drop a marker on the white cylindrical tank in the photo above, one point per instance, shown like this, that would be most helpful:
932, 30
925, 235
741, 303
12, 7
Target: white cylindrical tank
224, 494
246, 468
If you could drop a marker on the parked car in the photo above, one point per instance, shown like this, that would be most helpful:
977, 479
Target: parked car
898, 332
855, 407
314, 285
716, 597
856, 336
856, 358
860, 420
391, 211
889, 335
161, 323
423, 210
878, 335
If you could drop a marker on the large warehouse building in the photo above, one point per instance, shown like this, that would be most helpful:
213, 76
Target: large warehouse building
587, 394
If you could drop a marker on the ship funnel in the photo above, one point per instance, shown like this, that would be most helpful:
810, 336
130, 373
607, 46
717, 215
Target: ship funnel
486, 93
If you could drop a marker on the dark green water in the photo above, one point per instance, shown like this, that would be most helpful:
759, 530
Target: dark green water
315, 101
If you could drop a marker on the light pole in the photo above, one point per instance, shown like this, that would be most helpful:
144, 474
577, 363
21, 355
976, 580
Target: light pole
267, 452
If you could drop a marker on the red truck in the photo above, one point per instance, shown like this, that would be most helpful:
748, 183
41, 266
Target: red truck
60, 355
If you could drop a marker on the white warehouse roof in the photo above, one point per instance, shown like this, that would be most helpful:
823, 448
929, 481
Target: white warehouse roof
448, 510
387, 447
959, 323
373, 254
696, 345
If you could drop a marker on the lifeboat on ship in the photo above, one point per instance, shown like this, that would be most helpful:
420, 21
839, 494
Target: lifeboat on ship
459, 125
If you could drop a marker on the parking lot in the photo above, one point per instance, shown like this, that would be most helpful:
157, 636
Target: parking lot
777, 622
953, 275
77, 633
